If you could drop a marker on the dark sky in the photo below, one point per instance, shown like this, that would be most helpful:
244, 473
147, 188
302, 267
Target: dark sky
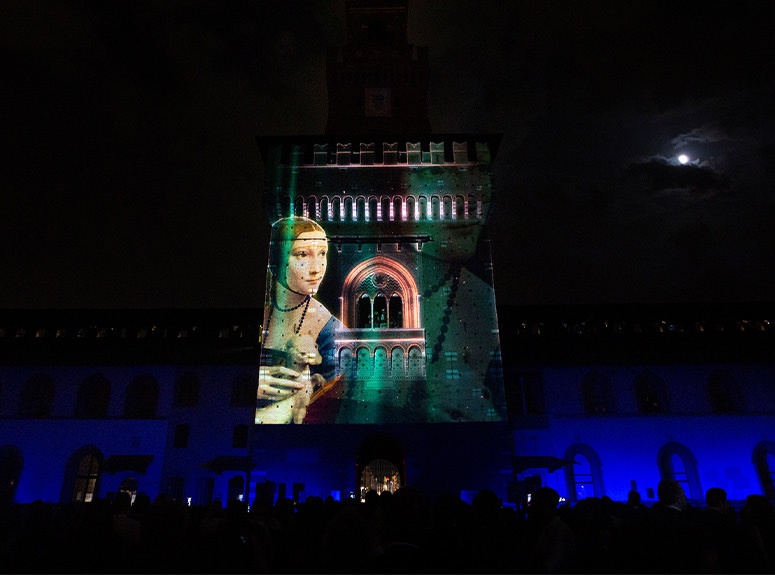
130, 175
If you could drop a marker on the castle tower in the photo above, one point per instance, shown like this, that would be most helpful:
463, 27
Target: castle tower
405, 212
377, 82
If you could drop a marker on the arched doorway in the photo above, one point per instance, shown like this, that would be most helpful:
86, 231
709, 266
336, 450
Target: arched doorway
380, 465
379, 475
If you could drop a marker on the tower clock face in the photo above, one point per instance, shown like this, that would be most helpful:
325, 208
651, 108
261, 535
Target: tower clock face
378, 102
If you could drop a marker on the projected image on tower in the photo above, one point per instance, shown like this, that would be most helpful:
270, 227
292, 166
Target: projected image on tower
365, 328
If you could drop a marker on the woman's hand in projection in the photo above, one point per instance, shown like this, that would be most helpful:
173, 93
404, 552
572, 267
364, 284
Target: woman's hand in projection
276, 382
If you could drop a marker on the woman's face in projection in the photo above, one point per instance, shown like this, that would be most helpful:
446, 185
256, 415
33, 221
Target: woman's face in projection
307, 262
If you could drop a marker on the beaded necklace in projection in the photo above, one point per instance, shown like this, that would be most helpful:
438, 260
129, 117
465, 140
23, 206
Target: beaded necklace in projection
304, 302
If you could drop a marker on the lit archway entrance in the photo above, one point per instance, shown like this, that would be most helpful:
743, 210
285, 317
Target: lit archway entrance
379, 475
380, 465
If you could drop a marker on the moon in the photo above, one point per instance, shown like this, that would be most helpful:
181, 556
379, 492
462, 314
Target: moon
683, 159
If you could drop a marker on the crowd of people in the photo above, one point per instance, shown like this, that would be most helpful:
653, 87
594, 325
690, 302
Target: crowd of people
400, 532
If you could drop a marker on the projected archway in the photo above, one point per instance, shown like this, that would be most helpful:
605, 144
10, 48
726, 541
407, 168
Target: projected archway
380, 293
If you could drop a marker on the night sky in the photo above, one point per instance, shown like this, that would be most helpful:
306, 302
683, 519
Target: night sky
130, 175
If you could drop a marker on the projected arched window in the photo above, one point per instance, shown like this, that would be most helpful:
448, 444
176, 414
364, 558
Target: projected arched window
583, 472
676, 461
764, 463
380, 294
412, 209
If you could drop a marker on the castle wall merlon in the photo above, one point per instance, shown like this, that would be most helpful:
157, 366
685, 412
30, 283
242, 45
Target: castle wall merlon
404, 150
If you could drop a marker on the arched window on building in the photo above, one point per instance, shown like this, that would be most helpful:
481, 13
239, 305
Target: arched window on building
379, 317
380, 360
93, 397
460, 207
676, 461
650, 393
411, 209
11, 464
398, 212
187, 390
239, 436
364, 312
583, 472
446, 207
354, 209
142, 398
415, 364
396, 310
365, 365
37, 396
597, 394
423, 208
243, 390
385, 215
723, 392
764, 464
435, 208
83, 472
346, 363
397, 366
